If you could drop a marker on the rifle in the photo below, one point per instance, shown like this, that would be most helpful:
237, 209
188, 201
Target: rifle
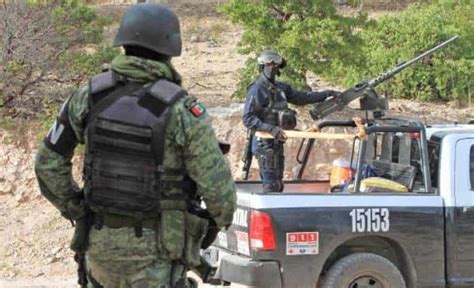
247, 157
80, 258
80, 240
370, 100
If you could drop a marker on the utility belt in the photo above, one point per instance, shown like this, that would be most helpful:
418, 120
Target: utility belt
179, 233
120, 221
269, 153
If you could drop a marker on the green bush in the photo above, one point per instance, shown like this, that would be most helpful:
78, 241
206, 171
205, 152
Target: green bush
446, 75
44, 53
309, 34
85, 65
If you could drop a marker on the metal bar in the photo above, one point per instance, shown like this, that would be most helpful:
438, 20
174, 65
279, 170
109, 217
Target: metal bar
307, 152
336, 123
425, 159
374, 129
360, 163
308, 135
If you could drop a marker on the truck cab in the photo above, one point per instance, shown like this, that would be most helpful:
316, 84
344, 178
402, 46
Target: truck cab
311, 235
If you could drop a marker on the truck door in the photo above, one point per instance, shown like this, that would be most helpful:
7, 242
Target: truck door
464, 213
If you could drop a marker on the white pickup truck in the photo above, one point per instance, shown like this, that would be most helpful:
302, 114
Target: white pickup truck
310, 236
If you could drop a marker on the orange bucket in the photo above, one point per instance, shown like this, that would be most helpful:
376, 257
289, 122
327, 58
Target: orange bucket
341, 172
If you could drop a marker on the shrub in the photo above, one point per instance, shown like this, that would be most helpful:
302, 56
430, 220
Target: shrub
36, 36
309, 34
446, 75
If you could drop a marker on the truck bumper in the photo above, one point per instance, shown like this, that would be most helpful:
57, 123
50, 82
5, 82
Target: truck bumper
245, 271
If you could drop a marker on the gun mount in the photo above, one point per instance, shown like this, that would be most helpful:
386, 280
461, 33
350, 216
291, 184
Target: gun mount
369, 99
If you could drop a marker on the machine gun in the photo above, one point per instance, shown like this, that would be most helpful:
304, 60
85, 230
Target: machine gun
369, 100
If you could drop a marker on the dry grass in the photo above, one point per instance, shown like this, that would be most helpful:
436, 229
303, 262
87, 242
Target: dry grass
210, 28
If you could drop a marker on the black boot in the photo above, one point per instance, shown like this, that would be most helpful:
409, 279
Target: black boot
273, 187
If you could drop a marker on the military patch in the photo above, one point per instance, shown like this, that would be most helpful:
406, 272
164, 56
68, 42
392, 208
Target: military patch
197, 109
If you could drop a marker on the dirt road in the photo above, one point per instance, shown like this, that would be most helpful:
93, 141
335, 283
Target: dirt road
62, 282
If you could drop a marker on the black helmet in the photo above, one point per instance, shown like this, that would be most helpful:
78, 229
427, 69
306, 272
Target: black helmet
269, 57
151, 26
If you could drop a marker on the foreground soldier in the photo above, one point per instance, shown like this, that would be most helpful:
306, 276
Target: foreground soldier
266, 109
150, 153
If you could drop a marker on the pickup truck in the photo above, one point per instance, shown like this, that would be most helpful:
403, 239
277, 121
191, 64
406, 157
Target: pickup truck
310, 235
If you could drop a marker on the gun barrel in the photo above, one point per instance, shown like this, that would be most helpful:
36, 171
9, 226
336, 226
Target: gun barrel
374, 82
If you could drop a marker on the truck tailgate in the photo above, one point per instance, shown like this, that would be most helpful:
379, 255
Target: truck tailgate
236, 239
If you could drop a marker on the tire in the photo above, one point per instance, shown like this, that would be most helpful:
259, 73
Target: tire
363, 270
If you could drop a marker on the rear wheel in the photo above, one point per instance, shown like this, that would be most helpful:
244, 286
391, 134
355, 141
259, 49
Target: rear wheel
363, 270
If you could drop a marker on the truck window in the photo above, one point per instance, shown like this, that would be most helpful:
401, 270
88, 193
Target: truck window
471, 167
396, 156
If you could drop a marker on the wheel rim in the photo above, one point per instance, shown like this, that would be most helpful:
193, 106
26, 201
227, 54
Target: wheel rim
366, 282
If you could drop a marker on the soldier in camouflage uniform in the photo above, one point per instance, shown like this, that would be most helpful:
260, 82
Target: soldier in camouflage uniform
151, 154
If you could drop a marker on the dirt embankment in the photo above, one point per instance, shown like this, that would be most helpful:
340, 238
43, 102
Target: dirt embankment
35, 238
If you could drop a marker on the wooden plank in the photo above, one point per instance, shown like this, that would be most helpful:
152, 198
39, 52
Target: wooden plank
308, 135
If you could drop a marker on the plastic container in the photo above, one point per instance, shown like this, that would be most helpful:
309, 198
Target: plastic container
341, 172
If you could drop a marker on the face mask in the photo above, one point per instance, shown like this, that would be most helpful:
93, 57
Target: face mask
271, 72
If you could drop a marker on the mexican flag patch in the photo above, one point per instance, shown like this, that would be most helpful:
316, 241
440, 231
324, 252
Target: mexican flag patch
197, 109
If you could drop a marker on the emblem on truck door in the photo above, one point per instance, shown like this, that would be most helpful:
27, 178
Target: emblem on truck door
370, 220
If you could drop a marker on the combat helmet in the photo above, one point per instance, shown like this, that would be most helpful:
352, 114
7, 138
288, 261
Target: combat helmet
152, 26
269, 57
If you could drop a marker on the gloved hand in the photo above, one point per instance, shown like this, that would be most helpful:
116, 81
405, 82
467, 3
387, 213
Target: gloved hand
211, 234
278, 134
334, 93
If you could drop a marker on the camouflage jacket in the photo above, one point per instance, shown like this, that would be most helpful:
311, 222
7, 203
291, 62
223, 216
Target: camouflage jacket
190, 143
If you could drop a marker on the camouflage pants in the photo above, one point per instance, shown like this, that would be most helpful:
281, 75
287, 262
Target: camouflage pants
116, 258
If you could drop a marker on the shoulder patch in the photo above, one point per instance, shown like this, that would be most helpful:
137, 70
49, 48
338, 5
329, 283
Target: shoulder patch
166, 91
194, 107
197, 109
102, 82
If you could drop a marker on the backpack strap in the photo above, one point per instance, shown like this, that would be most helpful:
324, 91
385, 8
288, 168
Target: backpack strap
166, 91
101, 85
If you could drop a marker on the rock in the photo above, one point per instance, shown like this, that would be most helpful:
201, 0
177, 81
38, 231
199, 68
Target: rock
195, 39
53, 259
5, 188
21, 198
455, 104
56, 251
403, 108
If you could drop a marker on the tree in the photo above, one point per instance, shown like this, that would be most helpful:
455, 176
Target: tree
310, 34
37, 36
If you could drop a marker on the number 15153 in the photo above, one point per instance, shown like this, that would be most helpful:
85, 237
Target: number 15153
370, 220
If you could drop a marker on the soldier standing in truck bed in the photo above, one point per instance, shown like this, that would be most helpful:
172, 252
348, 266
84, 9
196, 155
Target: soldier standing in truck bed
266, 109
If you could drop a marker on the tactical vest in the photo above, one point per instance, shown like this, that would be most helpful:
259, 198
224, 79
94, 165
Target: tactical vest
126, 139
278, 113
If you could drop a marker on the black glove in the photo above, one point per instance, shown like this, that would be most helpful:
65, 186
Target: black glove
211, 234
334, 93
278, 134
